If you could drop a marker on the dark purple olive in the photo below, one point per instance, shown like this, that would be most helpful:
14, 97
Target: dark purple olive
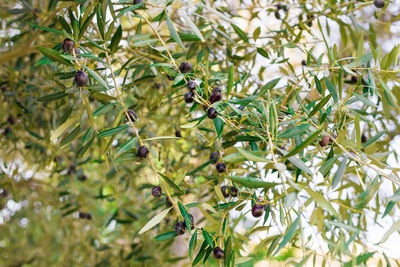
379, 3
214, 156
180, 228
234, 191
132, 115
178, 133
191, 85
135, 2
212, 113
224, 190
68, 45
257, 210
142, 152
218, 253
221, 167
326, 140
85, 215
156, 191
304, 63
81, 78
185, 67
215, 97
189, 97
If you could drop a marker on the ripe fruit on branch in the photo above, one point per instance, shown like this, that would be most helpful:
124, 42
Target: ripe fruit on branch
257, 210
379, 3
189, 97
156, 191
214, 156
185, 67
218, 253
221, 167
142, 152
132, 115
81, 78
224, 190
68, 45
212, 113
180, 228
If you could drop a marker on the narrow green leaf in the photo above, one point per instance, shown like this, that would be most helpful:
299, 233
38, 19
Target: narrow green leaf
339, 173
154, 221
166, 236
54, 55
303, 144
374, 138
116, 39
268, 86
251, 182
395, 227
219, 126
252, 155
112, 131
96, 77
192, 244
173, 32
207, 238
229, 86
241, 33
185, 216
321, 201
127, 145
297, 130
52, 97
327, 166
331, 89
170, 183
70, 137
320, 105
289, 234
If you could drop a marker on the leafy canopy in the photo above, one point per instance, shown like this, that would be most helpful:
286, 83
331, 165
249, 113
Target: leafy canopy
300, 100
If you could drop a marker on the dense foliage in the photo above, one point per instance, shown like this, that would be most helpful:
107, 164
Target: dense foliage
198, 132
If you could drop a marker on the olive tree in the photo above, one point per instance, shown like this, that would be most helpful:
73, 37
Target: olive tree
215, 133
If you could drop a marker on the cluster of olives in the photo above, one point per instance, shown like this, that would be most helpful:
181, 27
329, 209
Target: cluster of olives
214, 158
279, 7
229, 191
181, 226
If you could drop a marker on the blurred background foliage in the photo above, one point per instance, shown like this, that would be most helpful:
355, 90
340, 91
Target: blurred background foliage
307, 127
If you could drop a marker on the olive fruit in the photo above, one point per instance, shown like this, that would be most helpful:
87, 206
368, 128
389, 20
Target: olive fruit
304, 63
212, 113
234, 191
81, 78
279, 6
180, 228
142, 152
185, 67
354, 79
135, 2
156, 191
326, 140
257, 210
67, 45
214, 156
221, 167
224, 190
132, 115
277, 15
189, 97
178, 133
379, 3
218, 253
85, 215
215, 97
191, 85
363, 139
